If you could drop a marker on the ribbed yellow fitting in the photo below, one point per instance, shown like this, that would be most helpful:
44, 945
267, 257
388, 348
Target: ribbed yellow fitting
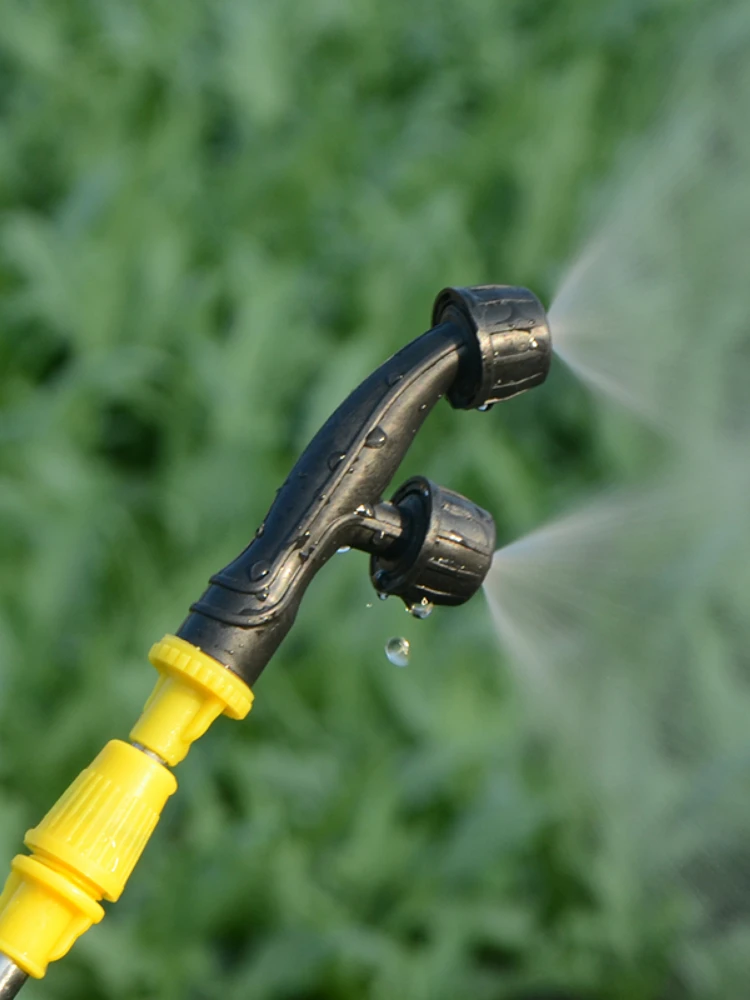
84, 850
99, 827
192, 691
89, 842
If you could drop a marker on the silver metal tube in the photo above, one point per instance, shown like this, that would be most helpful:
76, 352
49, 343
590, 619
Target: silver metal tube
11, 978
148, 753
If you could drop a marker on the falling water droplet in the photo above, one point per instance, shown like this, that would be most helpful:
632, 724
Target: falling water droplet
376, 438
344, 548
397, 651
369, 604
422, 610
382, 596
394, 377
335, 459
259, 570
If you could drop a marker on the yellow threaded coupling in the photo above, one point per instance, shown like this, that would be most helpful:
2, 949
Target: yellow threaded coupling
192, 691
84, 850
99, 827
87, 845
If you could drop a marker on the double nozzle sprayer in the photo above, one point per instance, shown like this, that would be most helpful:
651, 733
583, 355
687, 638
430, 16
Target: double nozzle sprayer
426, 544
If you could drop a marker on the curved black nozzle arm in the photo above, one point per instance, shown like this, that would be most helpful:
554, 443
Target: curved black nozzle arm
487, 343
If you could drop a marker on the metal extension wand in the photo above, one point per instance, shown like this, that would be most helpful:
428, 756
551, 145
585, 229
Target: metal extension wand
427, 543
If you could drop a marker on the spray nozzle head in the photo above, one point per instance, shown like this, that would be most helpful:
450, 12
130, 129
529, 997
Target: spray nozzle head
445, 547
510, 350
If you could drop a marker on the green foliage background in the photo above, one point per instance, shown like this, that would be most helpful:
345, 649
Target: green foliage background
215, 219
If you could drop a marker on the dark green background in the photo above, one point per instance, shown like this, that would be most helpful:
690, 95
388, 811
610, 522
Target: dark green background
215, 219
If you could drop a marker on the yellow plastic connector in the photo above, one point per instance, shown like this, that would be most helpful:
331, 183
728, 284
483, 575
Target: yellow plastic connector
87, 845
84, 850
99, 827
192, 691
42, 912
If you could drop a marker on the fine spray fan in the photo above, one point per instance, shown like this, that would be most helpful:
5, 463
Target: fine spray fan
427, 544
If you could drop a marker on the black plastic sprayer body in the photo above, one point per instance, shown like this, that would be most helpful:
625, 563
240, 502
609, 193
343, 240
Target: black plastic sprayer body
426, 544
